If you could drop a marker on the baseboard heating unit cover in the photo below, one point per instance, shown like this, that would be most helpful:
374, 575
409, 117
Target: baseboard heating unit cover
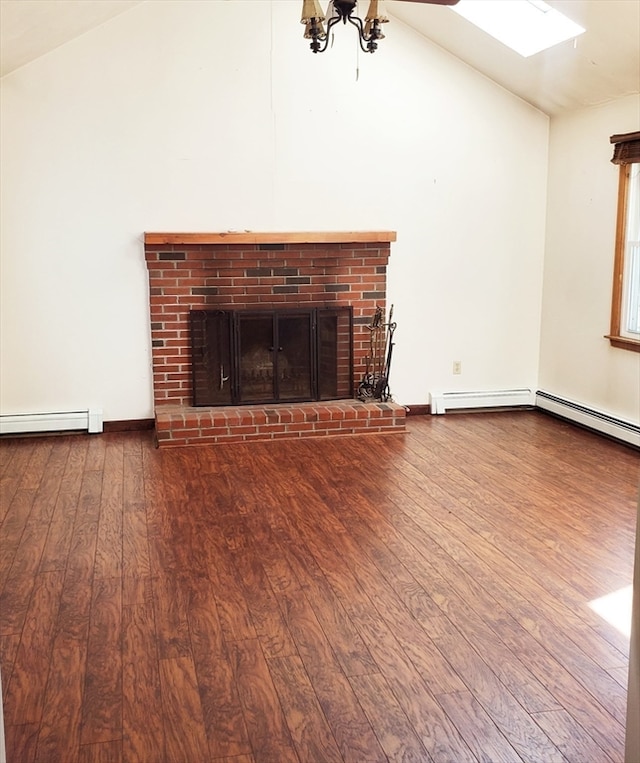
441, 402
588, 417
28, 423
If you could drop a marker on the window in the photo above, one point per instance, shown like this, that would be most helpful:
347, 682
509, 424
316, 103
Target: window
625, 304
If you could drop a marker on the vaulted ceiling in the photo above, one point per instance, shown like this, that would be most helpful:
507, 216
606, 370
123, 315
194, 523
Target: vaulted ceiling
602, 65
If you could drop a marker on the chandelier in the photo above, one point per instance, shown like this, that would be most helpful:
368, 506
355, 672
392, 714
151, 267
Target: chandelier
369, 30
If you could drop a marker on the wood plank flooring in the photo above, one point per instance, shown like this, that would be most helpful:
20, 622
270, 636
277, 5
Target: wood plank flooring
422, 597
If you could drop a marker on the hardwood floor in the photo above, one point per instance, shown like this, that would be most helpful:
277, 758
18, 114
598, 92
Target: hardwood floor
388, 598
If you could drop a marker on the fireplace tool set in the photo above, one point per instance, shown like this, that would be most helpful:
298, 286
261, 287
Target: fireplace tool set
375, 384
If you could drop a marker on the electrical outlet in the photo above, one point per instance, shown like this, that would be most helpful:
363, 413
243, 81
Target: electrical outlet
457, 367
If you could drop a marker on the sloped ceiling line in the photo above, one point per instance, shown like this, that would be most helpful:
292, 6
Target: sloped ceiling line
601, 66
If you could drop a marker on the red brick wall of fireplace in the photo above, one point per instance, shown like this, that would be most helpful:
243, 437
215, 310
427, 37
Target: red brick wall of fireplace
235, 276
261, 271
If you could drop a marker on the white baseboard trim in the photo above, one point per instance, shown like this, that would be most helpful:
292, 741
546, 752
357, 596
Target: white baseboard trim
620, 429
441, 402
27, 423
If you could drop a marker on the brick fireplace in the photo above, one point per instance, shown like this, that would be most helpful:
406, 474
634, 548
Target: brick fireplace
251, 271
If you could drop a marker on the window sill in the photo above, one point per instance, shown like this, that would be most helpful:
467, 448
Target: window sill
624, 343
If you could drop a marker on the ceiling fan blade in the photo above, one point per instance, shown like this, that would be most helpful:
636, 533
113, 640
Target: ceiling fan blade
433, 2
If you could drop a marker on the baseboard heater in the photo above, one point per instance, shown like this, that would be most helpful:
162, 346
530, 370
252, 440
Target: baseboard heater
588, 417
441, 402
31, 423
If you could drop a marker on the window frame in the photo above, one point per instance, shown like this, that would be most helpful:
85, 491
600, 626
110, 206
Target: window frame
615, 336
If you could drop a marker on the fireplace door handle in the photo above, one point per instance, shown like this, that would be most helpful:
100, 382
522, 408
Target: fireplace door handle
271, 349
223, 378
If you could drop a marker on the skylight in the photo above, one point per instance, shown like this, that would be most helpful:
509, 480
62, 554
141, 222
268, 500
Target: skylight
526, 26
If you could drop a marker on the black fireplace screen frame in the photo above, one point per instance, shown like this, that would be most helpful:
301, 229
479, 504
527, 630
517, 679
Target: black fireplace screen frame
219, 348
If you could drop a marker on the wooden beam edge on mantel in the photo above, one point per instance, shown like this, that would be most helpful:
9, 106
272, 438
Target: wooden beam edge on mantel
251, 237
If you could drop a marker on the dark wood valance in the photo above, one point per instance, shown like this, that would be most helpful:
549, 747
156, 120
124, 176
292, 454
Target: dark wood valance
626, 148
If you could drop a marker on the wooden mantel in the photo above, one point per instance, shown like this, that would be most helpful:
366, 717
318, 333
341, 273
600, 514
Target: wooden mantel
253, 237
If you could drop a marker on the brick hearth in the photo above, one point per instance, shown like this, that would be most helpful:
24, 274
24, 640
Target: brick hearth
235, 271
199, 426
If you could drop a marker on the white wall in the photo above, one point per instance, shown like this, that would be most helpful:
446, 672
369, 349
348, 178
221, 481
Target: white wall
576, 361
214, 115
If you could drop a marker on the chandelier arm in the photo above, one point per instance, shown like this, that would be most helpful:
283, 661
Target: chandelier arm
370, 40
315, 46
344, 13
332, 22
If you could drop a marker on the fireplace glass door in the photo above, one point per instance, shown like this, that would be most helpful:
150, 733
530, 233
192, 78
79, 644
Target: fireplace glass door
211, 357
271, 356
274, 353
